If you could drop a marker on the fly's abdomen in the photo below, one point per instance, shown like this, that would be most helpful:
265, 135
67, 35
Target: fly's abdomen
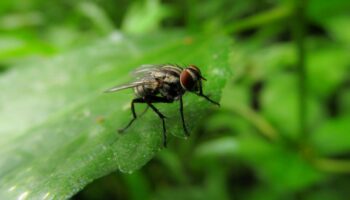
145, 90
139, 91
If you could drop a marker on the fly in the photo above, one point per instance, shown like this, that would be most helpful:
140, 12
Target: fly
163, 84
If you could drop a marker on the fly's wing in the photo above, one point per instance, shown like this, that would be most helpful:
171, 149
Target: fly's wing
156, 71
128, 85
145, 75
146, 71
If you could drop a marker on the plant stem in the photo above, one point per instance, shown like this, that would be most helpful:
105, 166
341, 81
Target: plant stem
260, 19
331, 165
299, 33
266, 129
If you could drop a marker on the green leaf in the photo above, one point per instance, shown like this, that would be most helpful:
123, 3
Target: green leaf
333, 136
185, 193
223, 146
320, 11
279, 167
344, 102
256, 63
58, 128
97, 16
143, 16
327, 69
339, 29
15, 49
280, 105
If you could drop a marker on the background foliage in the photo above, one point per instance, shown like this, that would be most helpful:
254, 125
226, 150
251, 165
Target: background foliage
282, 131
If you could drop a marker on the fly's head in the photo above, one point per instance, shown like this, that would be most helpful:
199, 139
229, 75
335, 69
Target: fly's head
191, 79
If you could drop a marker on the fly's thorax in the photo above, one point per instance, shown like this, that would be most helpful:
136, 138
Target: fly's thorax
172, 69
170, 82
171, 88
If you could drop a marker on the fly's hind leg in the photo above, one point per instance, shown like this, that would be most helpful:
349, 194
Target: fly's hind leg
137, 100
144, 111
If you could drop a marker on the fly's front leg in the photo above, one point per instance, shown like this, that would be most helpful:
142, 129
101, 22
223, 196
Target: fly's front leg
205, 96
208, 99
183, 118
137, 100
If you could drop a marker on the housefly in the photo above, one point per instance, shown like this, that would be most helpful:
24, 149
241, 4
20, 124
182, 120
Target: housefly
163, 84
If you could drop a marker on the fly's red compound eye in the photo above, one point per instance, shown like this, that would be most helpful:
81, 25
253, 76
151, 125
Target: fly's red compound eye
195, 68
188, 79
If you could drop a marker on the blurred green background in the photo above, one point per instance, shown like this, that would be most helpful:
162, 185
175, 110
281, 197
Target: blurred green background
283, 128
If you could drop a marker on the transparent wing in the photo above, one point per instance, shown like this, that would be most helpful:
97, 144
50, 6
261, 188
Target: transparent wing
146, 70
144, 75
156, 71
128, 85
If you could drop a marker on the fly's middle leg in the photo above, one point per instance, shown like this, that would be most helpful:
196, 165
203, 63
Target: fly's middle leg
162, 117
137, 100
156, 99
